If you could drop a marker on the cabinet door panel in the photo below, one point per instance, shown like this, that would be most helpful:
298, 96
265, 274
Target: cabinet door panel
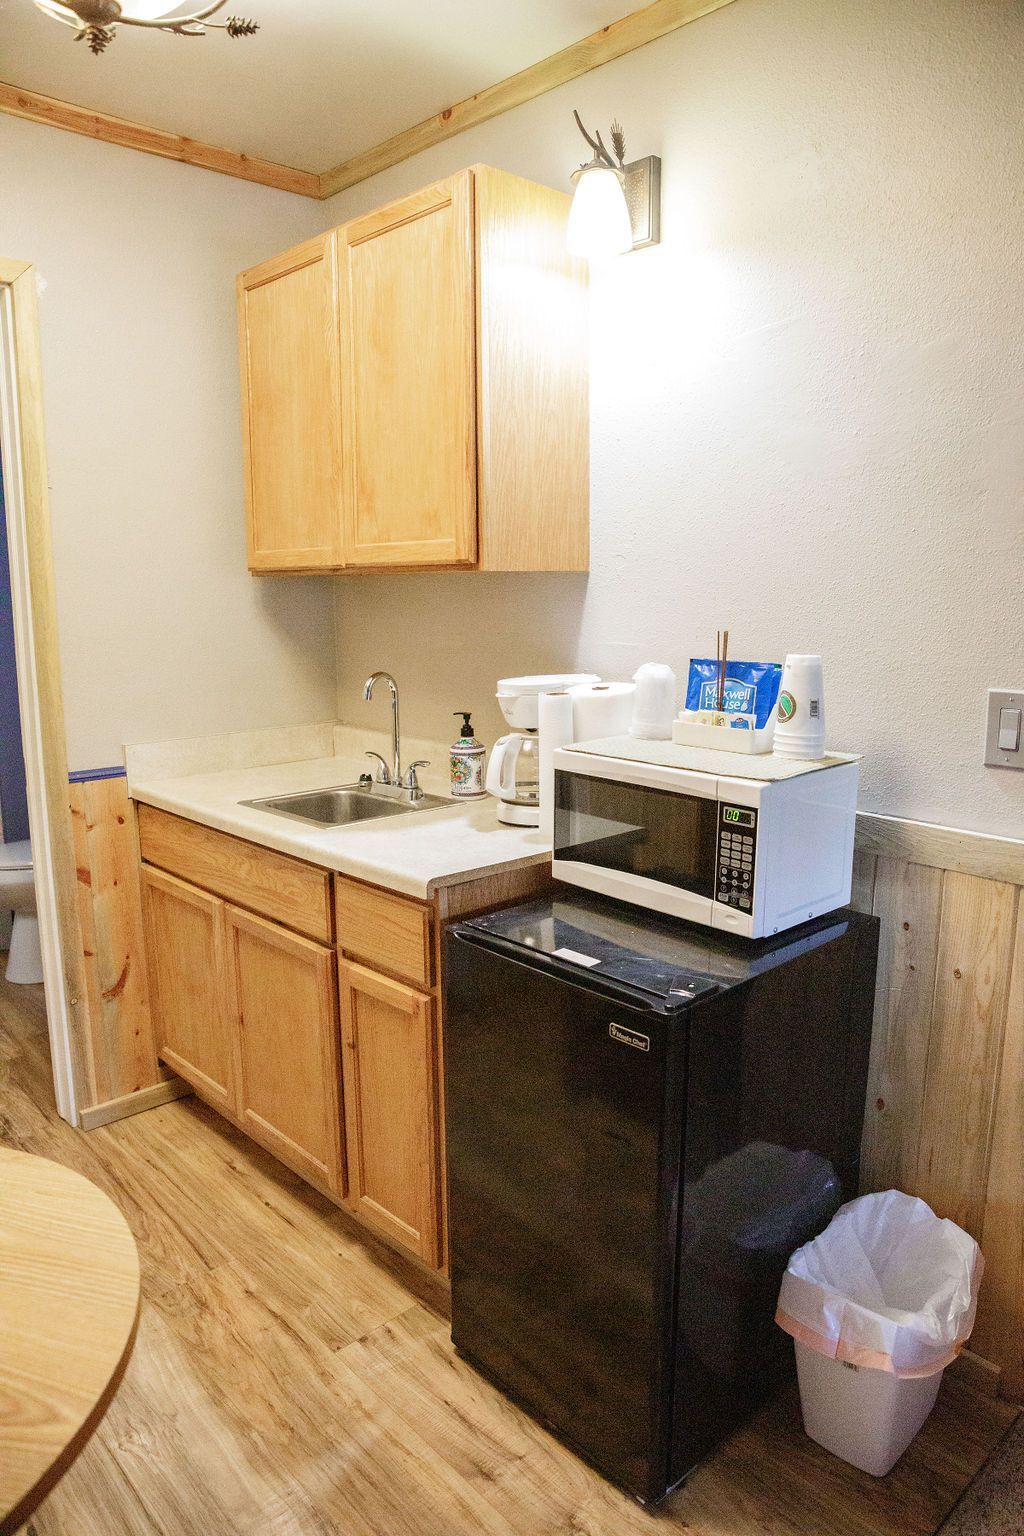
408, 340
283, 1001
390, 1077
288, 340
184, 945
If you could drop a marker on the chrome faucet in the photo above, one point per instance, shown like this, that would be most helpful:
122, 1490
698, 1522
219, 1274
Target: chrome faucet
393, 775
385, 775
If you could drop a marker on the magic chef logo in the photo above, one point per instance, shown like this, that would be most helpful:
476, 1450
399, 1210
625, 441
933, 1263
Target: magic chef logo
631, 1037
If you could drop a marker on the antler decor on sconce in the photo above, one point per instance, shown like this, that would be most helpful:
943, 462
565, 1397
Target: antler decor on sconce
96, 21
616, 207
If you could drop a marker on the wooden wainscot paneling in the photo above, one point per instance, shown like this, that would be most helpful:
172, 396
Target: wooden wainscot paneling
972, 974
999, 1335
945, 1102
906, 900
110, 916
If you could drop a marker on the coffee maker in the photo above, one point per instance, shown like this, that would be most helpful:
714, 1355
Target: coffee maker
513, 773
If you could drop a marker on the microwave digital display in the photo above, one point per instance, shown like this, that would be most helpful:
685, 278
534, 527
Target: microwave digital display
657, 834
738, 818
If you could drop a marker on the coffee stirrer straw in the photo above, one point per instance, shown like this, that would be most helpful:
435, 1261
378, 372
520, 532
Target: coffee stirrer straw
722, 657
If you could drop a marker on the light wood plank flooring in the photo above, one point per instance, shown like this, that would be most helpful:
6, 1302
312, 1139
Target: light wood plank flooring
290, 1380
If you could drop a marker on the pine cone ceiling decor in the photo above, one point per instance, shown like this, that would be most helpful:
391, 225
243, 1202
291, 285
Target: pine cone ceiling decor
97, 20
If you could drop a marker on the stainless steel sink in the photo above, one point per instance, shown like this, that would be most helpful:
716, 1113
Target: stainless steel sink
344, 804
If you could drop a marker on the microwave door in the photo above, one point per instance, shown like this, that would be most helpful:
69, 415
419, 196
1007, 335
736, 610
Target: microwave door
638, 842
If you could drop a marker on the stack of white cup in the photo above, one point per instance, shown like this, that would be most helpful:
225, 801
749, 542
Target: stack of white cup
800, 722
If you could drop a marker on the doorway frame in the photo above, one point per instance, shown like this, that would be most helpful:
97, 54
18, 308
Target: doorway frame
41, 699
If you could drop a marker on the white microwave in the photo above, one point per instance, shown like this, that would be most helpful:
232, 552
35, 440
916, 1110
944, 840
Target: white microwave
750, 856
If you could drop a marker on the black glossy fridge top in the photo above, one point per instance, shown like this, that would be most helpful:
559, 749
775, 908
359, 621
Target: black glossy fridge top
666, 958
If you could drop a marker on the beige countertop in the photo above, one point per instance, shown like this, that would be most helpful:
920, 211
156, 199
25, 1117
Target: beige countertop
414, 854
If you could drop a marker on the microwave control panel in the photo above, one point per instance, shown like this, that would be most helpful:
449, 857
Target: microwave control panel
737, 841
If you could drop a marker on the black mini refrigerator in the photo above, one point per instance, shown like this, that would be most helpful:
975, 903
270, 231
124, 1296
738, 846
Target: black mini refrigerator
644, 1119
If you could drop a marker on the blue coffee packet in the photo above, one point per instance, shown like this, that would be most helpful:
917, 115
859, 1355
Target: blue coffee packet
751, 689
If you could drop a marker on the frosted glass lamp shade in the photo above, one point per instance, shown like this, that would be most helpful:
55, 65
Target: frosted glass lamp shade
146, 10
599, 222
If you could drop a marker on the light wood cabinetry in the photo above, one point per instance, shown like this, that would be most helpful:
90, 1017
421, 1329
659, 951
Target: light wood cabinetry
245, 1009
288, 347
409, 380
185, 949
388, 932
291, 892
306, 1008
282, 1008
415, 387
391, 1107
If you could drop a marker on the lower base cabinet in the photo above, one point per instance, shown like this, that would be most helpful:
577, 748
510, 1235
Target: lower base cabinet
185, 945
282, 995
390, 1072
329, 1062
247, 1012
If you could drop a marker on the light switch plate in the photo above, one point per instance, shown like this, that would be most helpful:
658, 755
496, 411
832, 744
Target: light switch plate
999, 699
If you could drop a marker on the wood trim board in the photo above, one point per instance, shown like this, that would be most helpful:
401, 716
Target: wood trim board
922, 842
611, 42
113, 947
36, 108
35, 612
600, 47
134, 1103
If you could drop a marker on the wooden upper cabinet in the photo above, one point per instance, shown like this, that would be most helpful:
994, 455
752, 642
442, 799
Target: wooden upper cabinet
533, 373
416, 388
288, 341
409, 381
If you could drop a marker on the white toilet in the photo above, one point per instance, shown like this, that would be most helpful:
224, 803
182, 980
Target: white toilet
18, 895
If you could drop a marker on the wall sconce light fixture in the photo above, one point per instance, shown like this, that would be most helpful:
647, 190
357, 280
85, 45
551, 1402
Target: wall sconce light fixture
616, 206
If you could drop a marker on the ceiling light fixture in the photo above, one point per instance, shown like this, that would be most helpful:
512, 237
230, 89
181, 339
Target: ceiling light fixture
97, 20
616, 206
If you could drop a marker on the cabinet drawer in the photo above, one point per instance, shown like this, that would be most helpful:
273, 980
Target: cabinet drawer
386, 931
271, 883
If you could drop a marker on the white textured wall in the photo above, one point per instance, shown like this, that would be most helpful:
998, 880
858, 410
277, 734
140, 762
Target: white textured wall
163, 631
807, 404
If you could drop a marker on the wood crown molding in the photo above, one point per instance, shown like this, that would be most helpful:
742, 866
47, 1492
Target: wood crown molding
154, 141
608, 43
611, 42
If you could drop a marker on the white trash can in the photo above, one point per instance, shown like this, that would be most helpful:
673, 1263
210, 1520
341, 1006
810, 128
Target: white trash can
878, 1306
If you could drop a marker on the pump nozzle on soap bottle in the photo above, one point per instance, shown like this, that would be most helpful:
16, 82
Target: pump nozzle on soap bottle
467, 762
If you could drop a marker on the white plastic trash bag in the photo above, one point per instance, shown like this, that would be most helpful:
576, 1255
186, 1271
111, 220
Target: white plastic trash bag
888, 1285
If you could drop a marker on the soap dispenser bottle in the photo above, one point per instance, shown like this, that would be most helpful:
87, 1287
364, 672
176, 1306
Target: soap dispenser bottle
467, 762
